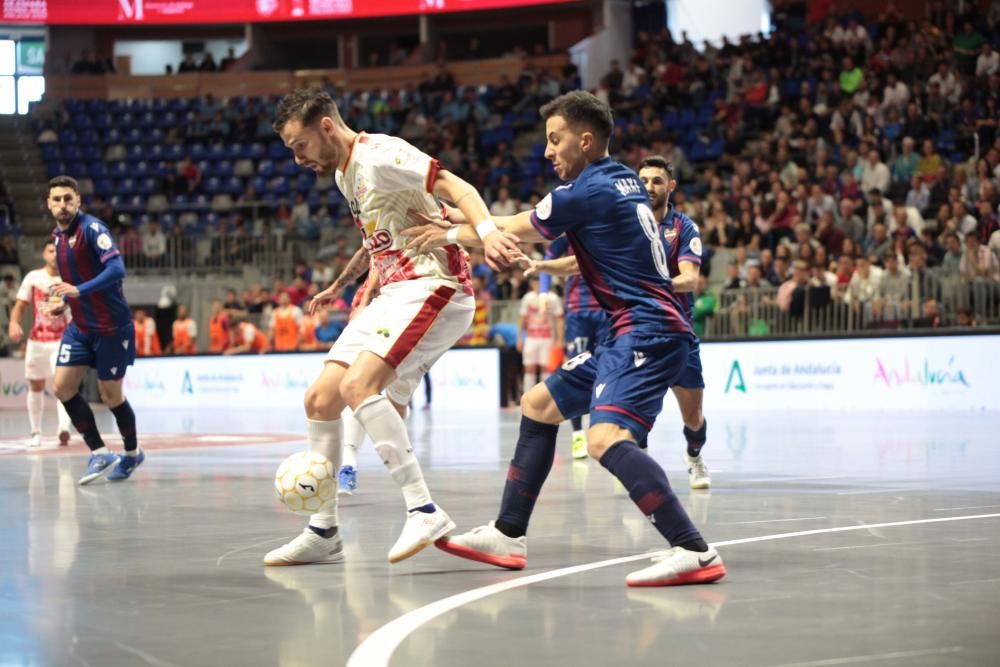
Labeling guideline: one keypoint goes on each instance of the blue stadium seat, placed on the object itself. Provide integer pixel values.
(277, 151)
(50, 152)
(148, 186)
(234, 186)
(197, 151)
(141, 168)
(77, 169)
(98, 169)
(258, 184)
(127, 187)
(174, 152)
(72, 153)
(290, 169)
(213, 185)
(104, 187)
(267, 169)
(136, 153)
(67, 136)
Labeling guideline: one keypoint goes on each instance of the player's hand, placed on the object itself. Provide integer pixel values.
(58, 311)
(501, 250)
(15, 331)
(65, 290)
(329, 294)
(421, 219)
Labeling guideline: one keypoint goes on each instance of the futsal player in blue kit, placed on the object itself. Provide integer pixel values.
(682, 240)
(605, 212)
(584, 321)
(101, 335)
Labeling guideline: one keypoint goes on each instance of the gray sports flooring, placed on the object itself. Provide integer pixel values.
(165, 569)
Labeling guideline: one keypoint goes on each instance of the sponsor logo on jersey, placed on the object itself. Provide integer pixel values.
(629, 186)
(379, 241)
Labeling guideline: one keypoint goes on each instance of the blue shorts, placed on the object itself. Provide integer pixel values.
(623, 383)
(691, 377)
(110, 355)
(584, 330)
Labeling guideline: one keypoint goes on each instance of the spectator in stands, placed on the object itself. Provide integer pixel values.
(965, 319)
(147, 342)
(864, 283)
(930, 316)
(952, 259)
(327, 329)
(978, 262)
(733, 280)
(875, 174)
(229, 62)
(190, 175)
(188, 64)
(798, 281)
(208, 63)
(931, 162)
(185, 330)
(8, 252)
(219, 323)
(154, 245)
(818, 203)
(850, 222)
(919, 195)
(704, 306)
(503, 204)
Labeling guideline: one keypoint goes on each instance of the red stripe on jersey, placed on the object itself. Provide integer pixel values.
(419, 325)
(432, 174)
(458, 266)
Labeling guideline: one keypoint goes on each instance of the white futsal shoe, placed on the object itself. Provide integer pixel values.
(420, 531)
(697, 472)
(679, 566)
(35, 440)
(308, 548)
(486, 544)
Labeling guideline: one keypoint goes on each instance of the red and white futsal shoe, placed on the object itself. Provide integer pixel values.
(679, 566)
(486, 544)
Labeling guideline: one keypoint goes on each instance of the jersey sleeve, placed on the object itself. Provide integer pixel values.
(690, 243)
(559, 211)
(101, 242)
(397, 166)
(24, 291)
(525, 304)
(557, 248)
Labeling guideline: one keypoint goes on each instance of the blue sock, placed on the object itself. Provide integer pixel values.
(696, 439)
(533, 456)
(577, 423)
(649, 489)
(126, 425)
(83, 421)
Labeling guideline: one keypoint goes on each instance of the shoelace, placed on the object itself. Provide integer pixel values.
(699, 468)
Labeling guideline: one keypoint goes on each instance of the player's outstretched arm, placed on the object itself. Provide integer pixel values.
(357, 266)
(564, 266)
(687, 279)
(501, 249)
(429, 234)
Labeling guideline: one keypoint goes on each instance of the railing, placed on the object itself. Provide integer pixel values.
(822, 310)
(270, 255)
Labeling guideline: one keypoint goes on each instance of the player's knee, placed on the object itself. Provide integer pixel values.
(320, 405)
(355, 388)
(64, 392)
(111, 396)
(601, 437)
(537, 404)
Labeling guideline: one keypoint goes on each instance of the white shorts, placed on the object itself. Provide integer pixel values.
(537, 352)
(40, 360)
(409, 325)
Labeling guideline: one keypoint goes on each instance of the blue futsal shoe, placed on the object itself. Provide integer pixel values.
(98, 465)
(126, 464)
(348, 480)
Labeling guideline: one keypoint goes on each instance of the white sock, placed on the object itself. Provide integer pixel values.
(388, 432)
(325, 438)
(101, 450)
(64, 420)
(529, 382)
(134, 452)
(354, 436)
(36, 408)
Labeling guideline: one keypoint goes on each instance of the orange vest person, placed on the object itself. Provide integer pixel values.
(247, 338)
(308, 340)
(218, 328)
(285, 322)
(147, 343)
(185, 333)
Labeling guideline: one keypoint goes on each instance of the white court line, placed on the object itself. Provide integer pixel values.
(377, 649)
(864, 546)
(853, 660)
(970, 507)
(218, 562)
(747, 523)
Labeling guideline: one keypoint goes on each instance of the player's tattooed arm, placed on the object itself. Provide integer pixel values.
(354, 269)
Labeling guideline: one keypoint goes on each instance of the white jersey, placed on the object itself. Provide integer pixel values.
(35, 288)
(538, 311)
(384, 177)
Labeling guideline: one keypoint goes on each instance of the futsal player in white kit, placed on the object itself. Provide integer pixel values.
(51, 316)
(425, 304)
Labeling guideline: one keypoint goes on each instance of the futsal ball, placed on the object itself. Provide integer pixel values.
(305, 483)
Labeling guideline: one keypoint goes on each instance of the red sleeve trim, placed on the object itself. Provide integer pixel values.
(432, 174)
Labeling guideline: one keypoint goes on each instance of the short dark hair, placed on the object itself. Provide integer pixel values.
(306, 105)
(64, 182)
(579, 107)
(658, 162)
(48, 242)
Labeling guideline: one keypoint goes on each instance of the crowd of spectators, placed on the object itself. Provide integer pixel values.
(845, 149)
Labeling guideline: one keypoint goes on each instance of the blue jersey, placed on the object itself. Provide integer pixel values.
(578, 296)
(683, 242)
(82, 251)
(606, 216)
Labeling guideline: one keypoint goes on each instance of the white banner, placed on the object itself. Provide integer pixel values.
(935, 373)
(468, 376)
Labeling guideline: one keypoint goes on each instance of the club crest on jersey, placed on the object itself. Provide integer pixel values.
(628, 186)
(72, 241)
(670, 235)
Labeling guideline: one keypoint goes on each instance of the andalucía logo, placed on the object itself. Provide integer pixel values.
(736, 373)
(924, 374)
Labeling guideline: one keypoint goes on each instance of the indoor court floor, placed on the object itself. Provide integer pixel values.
(849, 539)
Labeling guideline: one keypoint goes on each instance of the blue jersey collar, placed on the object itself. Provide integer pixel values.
(73, 224)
